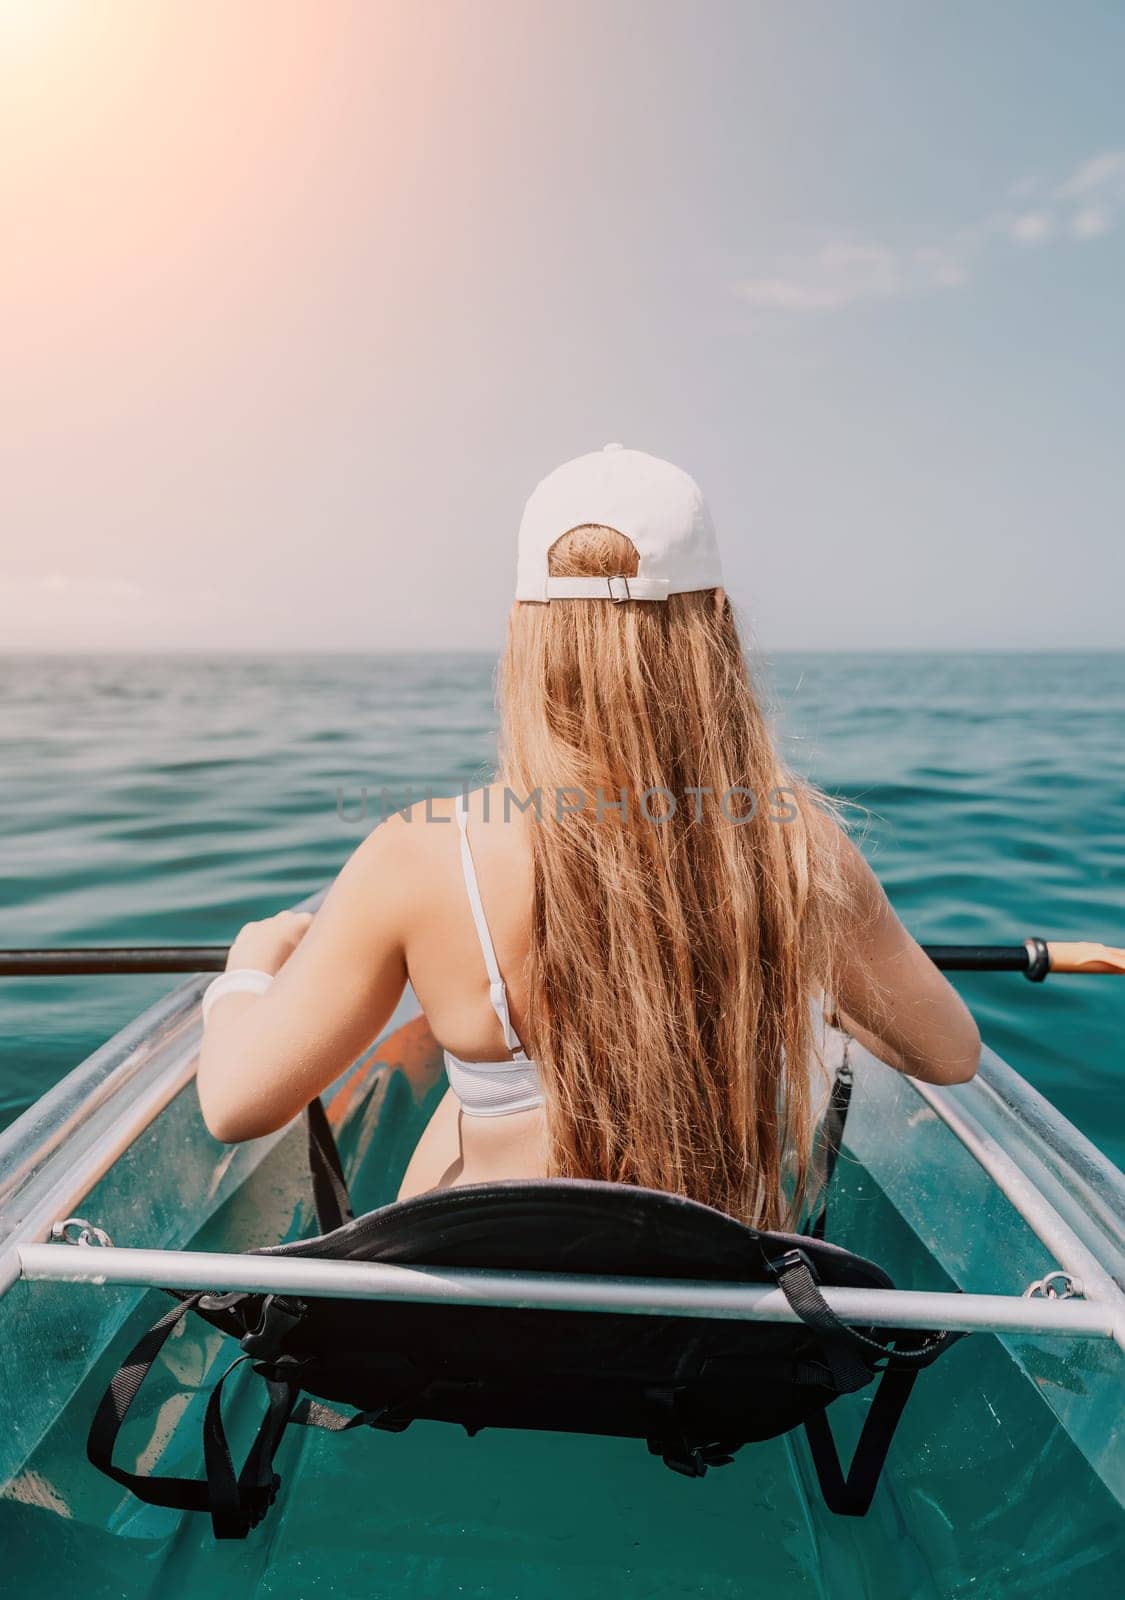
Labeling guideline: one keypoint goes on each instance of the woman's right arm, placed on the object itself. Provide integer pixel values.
(890, 995)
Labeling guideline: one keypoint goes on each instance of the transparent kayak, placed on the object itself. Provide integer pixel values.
(1006, 1477)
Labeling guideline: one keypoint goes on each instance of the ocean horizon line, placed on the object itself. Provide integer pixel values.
(403, 652)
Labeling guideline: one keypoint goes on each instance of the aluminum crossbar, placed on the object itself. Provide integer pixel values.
(472, 1286)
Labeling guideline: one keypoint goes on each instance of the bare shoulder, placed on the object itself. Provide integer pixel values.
(423, 834)
(412, 853)
(498, 807)
(370, 871)
(827, 834)
(494, 807)
(854, 873)
(405, 844)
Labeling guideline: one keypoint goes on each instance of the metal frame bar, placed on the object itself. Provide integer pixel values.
(1052, 1231)
(369, 1280)
(1102, 1315)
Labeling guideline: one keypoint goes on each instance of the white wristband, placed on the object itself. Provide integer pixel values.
(239, 980)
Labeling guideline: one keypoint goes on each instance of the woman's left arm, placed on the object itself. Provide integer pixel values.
(338, 977)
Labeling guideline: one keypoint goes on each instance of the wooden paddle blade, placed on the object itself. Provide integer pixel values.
(1086, 957)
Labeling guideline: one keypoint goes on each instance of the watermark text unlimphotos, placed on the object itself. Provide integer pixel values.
(657, 805)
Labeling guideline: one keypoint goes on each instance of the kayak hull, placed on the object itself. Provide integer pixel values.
(1007, 1476)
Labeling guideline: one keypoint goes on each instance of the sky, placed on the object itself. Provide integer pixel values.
(299, 300)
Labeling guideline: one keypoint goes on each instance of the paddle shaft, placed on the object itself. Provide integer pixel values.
(1035, 959)
(86, 960)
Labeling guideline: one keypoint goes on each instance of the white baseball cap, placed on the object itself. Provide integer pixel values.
(654, 504)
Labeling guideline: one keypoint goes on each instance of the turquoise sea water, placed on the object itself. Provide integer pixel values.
(169, 799)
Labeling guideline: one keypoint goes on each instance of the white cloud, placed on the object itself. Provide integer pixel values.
(834, 276)
(1101, 172)
(1091, 222)
(944, 272)
(1024, 188)
(844, 272)
(1092, 199)
(788, 294)
(1085, 205)
(1031, 227)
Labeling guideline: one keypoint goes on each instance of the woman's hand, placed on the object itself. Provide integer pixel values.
(266, 946)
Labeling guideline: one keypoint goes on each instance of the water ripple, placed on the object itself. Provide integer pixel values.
(170, 799)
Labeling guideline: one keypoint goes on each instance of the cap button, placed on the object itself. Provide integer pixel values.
(613, 447)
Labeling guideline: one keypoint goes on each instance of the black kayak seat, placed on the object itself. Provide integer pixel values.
(695, 1389)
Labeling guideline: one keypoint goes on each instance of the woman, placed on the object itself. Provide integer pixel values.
(624, 944)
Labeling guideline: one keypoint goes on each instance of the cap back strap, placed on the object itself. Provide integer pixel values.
(617, 589)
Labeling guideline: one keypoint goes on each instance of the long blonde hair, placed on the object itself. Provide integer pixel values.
(672, 964)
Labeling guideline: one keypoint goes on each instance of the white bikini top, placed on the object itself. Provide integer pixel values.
(490, 1088)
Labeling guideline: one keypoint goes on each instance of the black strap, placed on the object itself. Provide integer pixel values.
(851, 1496)
(394, 1416)
(310, 1413)
(330, 1190)
(314, 1414)
(849, 1363)
(831, 1138)
(236, 1504)
(674, 1440)
(851, 1358)
(851, 1354)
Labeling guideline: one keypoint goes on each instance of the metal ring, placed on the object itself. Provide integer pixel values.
(1044, 1288)
(1038, 959)
(76, 1230)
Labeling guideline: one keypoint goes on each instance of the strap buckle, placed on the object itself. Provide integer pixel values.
(690, 1461)
(780, 1265)
(615, 594)
(279, 1316)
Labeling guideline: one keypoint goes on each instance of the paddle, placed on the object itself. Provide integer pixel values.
(1035, 958)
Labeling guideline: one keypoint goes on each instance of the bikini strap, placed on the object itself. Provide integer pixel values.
(497, 991)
